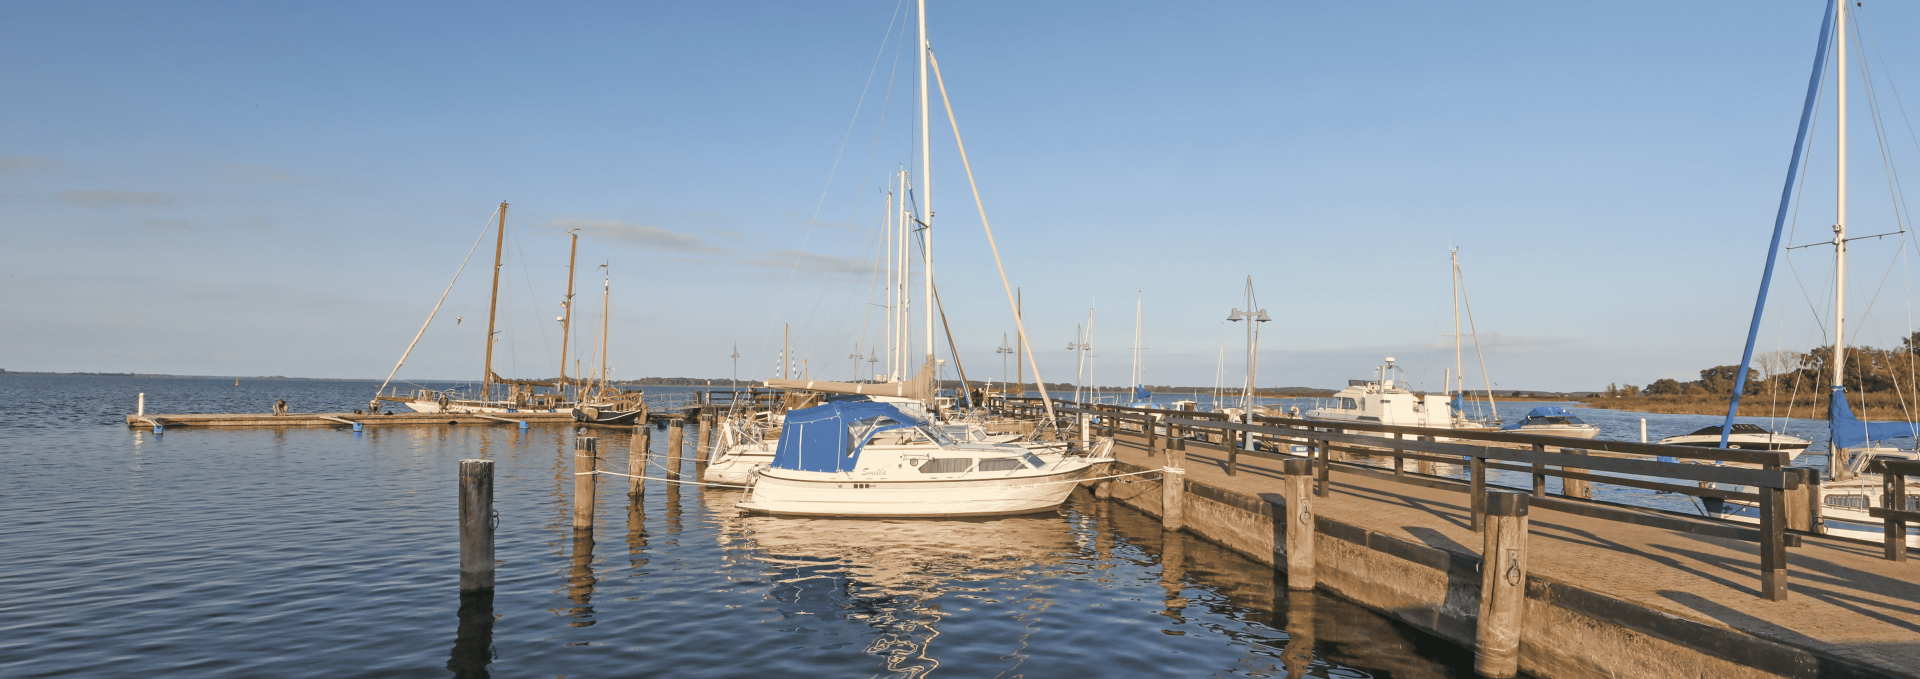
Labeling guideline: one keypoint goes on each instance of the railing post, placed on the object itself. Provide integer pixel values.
(1296, 518)
(1539, 473)
(1233, 451)
(1503, 585)
(1399, 462)
(637, 459)
(1800, 501)
(1173, 492)
(586, 461)
(1773, 542)
(1894, 499)
(1575, 488)
(1477, 493)
(1326, 469)
(476, 525)
(1425, 466)
(1147, 430)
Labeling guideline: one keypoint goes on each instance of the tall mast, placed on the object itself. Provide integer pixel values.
(1138, 296)
(566, 318)
(1836, 458)
(1020, 348)
(904, 226)
(606, 288)
(493, 304)
(926, 186)
(888, 254)
(1459, 372)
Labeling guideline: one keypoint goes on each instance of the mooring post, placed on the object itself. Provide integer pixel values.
(1173, 491)
(1325, 469)
(1477, 492)
(1148, 430)
(1773, 542)
(1798, 499)
(637, 459)
(705, 444)
(586, 462)
(1503, 585)
(1233, 450)
(141, 408)
(1572, 487)
(1893, 488)
(1297, 518)
(676, 441)
(1539, 473)
(1086, 430)
(476, 525)
(1399, 462)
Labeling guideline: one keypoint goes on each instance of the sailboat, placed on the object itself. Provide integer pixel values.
(1846, 494)
(606, 404)
(868, 452)
(1140, 398)
(522, 395)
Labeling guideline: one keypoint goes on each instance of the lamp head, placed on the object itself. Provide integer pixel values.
(1236, 315)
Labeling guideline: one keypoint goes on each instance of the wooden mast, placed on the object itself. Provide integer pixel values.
(493, 303)
(566, 319)
(606, 286)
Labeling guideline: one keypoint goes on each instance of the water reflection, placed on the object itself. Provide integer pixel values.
(580, 579)
(473, 640)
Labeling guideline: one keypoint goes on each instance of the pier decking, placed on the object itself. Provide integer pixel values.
(1605, 598)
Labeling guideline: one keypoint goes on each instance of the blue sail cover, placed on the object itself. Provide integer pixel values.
(1849, 431)
(1141, 394)
(1542, 411)
(1459, 404)
(828, 438)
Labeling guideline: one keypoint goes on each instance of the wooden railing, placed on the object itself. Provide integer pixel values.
(1787, 498)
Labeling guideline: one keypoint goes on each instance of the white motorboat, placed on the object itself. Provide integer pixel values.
(869, 459)
(1745, 437)
(1553, 421)
(1386, 401)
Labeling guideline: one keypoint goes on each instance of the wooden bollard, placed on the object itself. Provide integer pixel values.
(1575, 488)
(676, 441)
(1297, 516)
(1173, 491)
(586, 461)
(1803, 503)
(1503, 586)
(703, 444)
(637, 459)
(476, 525)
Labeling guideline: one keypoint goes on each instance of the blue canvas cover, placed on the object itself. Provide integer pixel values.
(1141, 394)
(1849, 431)
(828, 438)
(1542, 411)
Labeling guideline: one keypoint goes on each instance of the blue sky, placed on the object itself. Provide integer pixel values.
(286, 188)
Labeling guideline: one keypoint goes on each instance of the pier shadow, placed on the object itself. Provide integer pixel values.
(473, 639)
(1438, 540)
(1827, 582)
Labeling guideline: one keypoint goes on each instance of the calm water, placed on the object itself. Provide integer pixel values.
(315, 552)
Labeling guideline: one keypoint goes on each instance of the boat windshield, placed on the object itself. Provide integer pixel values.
(1546, 421)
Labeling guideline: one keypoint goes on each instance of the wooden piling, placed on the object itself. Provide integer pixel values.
(586, 461)
(1173, 491)
(1325, 470)
(703, 444)
(1503, 585)
(476, 526)
(1477, 493)
(676, 442)
(1773, 543)
(1297, 517)
(1539, 473)
(1893, 487)
(637, 459)
(1575, 488)
(1425, 466)
(1399, 461)
(1803, 511)
(1148, 430)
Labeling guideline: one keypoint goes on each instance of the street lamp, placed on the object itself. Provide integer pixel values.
(855, 357)
(736, 372)
(1083, 347)
(1254, 318)
(1003, 351)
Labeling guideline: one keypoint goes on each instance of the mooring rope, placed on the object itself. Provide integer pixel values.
(656, 478)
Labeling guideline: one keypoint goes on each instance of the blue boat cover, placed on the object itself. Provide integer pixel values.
(828, 438)
(1849, 431)
(1542, 411)
(1141, 394)
(1459, 404)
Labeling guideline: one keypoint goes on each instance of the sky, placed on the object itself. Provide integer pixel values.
(278, 188)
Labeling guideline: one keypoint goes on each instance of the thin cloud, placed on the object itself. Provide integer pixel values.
(810, 261)
(24, 164)
(115, 198)
(638, 234)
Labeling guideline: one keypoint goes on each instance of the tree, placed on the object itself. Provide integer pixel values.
(1719, 379)
(1666, 387)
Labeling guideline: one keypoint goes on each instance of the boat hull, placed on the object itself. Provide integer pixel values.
(789, 493)
(592, 415)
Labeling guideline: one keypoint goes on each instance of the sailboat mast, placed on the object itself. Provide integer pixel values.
(926, 186)
(566, 317)
(493, 303)
(606, 291)
(1020, 347)
(888, 254)
(1836, 457)
(1138, 296)
(1459, 369)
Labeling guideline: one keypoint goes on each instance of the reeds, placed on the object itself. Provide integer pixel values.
(1881, 405)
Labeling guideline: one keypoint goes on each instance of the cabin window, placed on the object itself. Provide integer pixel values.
(1035, 460)
(1001, 464)
(859, 430)
(1850, 501)
(1913, 503)
(1348, 404)
(946, 465)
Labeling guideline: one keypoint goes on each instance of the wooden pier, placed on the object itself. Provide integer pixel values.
(1603, 590)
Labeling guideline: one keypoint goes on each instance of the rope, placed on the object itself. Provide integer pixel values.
(436, 305)
(655, 478)
(1173, 470)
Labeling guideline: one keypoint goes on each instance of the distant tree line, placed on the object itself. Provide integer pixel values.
(1784, 373)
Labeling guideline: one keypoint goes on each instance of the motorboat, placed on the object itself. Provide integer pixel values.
(1385, 400)
(1743, 437)
(1553, 421)
(870, 459)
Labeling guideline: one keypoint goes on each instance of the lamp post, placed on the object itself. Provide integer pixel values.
(1253, 346)
(736, 371)
(873, 361)
(855, 357)
(1083, 347)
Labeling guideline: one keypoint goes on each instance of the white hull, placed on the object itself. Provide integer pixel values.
(1573, 432)
(431, 406)
(794, 493)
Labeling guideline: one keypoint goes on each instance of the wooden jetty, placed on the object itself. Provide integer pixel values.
(1574, 587)
(710, 403)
